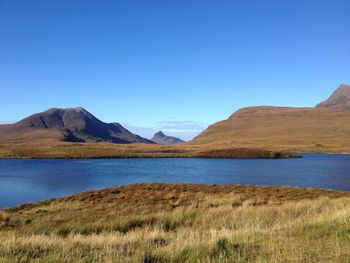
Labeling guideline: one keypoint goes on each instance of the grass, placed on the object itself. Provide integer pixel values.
(110, 150)
(181, 223)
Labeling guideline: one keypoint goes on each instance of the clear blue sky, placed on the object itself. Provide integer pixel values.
(175, 65)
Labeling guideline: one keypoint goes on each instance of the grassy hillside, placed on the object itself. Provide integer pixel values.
(282, 128)
(181, 223)
(110, 150)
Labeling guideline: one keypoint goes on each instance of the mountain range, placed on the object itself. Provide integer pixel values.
(325, 127)
(74, 125)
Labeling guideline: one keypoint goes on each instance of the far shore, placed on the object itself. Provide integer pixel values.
(109, 150)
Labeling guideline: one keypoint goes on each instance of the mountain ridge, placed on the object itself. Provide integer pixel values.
(324, 128)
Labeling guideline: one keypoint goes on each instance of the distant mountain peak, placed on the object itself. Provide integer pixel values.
(160, 134)
(160, 138)
(340, 99)
(77, 109)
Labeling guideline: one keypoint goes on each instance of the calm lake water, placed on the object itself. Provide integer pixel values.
(26, 180)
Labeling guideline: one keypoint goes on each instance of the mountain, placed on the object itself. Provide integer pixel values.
(161, 138)
(340, 99)
(322, 129)
(71, 124)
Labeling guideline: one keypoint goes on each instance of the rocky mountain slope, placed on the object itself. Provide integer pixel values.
(340, 99)
(161, 138)
(71, 124)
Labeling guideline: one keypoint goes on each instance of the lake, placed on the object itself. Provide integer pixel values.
(28, 180)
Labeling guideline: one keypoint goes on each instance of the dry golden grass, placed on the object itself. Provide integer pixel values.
(181, 223)
(110, 150)
(39, 136)
(282, 128)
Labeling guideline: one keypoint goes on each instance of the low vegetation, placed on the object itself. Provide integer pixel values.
(181, 223)
(110, 150)
(320, 130)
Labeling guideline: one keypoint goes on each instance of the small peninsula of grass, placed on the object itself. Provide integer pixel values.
(109, 150)
(181, 223)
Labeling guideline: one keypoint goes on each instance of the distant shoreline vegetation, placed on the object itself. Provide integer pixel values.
(109, 150)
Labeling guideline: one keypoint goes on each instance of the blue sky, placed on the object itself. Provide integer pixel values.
(172, 65)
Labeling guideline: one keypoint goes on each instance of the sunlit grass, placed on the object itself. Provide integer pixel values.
(181, 223)
(110, 150)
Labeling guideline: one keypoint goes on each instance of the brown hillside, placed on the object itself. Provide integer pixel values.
(296, 129)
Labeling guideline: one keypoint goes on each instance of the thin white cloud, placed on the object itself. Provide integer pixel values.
(7, 122)
(176, 122)
(182, 125)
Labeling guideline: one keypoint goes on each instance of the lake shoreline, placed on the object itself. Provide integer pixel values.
(109, 150)
(256, 191)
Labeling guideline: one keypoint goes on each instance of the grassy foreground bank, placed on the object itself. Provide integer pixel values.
(110, 150)
(181, 223)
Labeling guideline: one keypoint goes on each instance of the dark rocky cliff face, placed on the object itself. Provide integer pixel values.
(76, 125)
(161, 138)
(340, 99)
